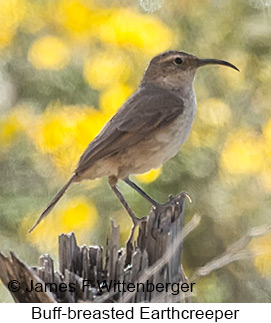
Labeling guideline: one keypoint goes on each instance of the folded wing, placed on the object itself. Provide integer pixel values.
(141, 115)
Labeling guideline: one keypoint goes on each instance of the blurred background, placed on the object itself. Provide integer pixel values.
(66, 66)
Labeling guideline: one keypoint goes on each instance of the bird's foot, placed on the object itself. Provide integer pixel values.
(158, 207)
(169, 206)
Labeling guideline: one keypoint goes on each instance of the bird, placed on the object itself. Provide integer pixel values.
(147, 130)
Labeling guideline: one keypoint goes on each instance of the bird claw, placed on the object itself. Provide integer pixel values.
(160, 208)
(185, 194)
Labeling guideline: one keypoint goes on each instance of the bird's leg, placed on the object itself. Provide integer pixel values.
(141, 192)
(159, 207)
(112, 180)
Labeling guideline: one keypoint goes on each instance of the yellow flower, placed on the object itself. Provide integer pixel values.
(265, 174)
(11, 13)
(214, 112)
(78, 215)
(112, 98)
(243, 153)
(9, 128)
(79, 17)
(106, 68)
(50, 53)
(56, 128)
(150, 176)
(65, 132)
(262, 261)
(6, 35)
(21, 120)
(144, 32)
(267, 144)
(88, 127)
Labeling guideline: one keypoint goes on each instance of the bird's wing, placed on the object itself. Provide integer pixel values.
(140, 116)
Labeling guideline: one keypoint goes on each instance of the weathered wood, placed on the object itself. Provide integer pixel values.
(13, 269)
(47, 263)
(112, 252)
(159, 237)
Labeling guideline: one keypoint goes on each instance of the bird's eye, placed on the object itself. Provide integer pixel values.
(178, 61)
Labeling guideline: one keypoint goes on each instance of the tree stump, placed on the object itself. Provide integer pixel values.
(90, 273)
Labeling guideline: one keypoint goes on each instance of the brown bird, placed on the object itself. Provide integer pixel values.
(147, 130)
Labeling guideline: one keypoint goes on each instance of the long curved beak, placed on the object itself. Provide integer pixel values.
(207, 61)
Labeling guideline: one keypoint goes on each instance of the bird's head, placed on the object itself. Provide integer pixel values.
(176, 70)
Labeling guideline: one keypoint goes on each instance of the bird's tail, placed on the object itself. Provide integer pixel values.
(53, 203)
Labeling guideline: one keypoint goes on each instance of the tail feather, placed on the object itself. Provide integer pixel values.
(53, 203)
